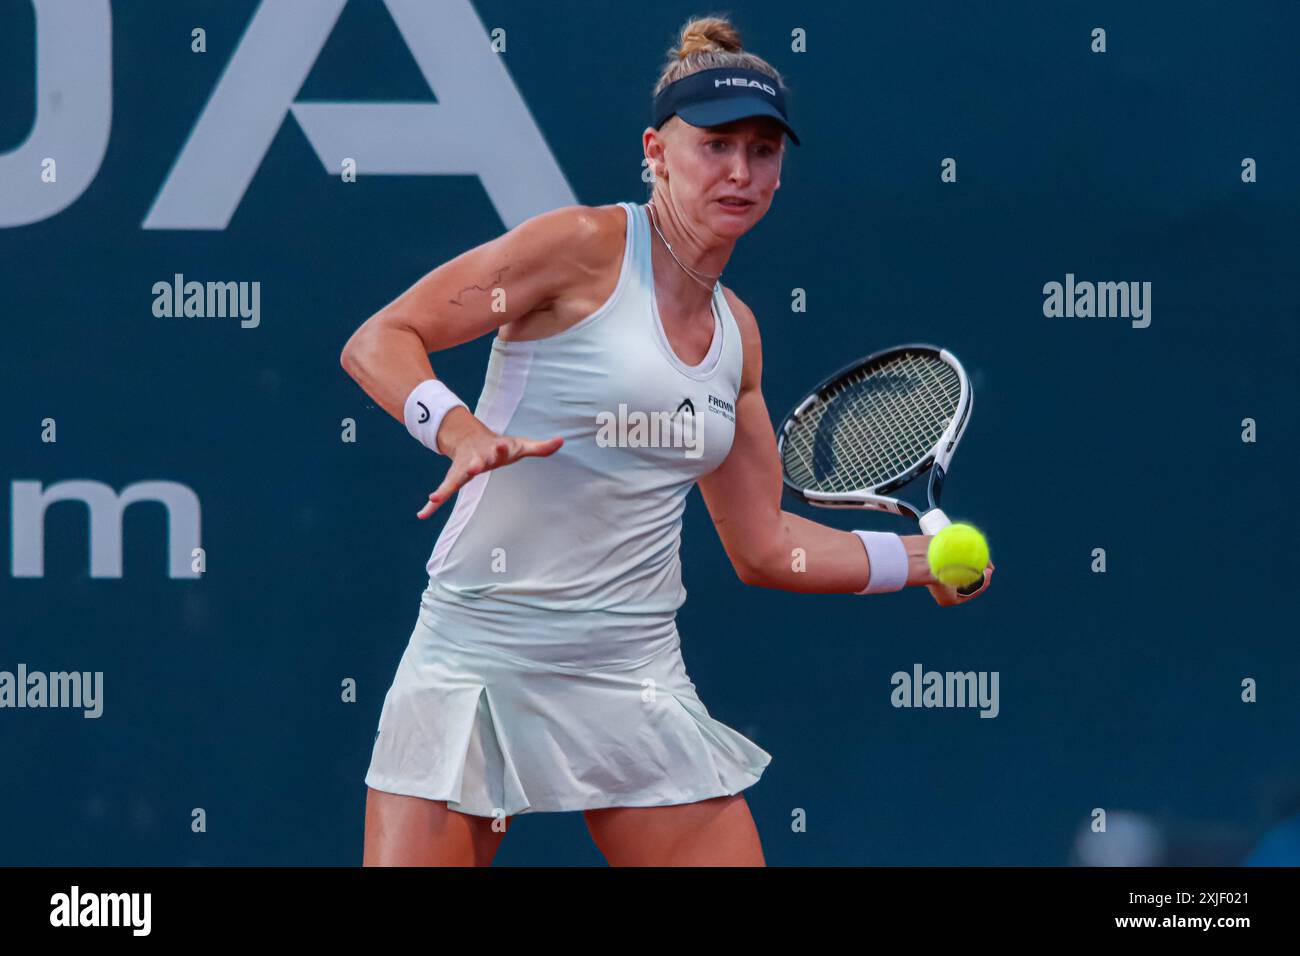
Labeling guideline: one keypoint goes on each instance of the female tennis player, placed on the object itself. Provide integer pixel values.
(544, 672)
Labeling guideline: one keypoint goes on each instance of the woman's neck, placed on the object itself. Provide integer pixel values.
(684, 267)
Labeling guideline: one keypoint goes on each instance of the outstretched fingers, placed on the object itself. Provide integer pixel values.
(539, 448)
(502, 451)
(456, 478)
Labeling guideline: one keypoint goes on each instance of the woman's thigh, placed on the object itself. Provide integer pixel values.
(717, 832)
(413, 831)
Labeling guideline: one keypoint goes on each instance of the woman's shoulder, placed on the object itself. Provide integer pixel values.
(744, 317)
(585, 232)
(751, 342)
(579, 248)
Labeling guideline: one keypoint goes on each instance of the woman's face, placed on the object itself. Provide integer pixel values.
(723, 177)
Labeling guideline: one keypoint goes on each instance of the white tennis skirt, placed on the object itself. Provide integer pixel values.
(501, 710)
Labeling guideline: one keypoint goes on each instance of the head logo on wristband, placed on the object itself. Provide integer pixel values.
(433, 401)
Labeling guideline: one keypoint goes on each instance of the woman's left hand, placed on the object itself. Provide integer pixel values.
(945, 596)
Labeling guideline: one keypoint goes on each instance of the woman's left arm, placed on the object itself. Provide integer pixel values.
(772, 548)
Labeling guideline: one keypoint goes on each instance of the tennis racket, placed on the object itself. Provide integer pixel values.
(875, 426)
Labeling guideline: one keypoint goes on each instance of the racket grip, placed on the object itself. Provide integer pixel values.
(933, 521)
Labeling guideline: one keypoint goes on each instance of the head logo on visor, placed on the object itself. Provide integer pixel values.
(723, 95)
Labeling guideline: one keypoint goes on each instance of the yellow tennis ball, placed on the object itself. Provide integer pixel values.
(958, 555)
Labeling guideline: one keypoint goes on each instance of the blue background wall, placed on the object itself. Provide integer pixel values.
(1118, 690)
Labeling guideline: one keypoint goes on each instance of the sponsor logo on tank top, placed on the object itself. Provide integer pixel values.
(723, 408)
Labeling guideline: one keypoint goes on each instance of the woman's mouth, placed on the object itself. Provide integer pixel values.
(735, 203)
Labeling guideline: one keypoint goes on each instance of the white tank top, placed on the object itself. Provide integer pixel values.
(597, 525)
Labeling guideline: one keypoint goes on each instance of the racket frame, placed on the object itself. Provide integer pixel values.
(936, 461)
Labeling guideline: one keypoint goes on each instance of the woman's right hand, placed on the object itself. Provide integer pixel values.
(482, 450)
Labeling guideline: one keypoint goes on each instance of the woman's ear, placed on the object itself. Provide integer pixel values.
(654, 150)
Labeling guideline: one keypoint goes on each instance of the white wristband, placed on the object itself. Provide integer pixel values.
(425, 408)
(887, 556)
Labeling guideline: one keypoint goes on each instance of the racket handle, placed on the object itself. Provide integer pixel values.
(933, 521)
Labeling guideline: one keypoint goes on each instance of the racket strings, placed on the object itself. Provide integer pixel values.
(898, 412)
(874, 425)
(862, 454)
(873, 449)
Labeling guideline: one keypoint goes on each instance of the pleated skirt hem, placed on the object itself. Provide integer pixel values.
(492, 738)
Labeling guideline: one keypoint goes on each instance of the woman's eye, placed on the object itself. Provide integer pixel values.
(717, 145)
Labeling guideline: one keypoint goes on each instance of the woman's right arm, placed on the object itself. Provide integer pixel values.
(487, 287)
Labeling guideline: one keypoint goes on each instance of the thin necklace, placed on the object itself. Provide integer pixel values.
(693, 273)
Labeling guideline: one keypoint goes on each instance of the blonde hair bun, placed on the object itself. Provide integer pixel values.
(708, 35)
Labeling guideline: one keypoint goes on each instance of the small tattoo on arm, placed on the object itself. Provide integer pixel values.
(496, 280)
